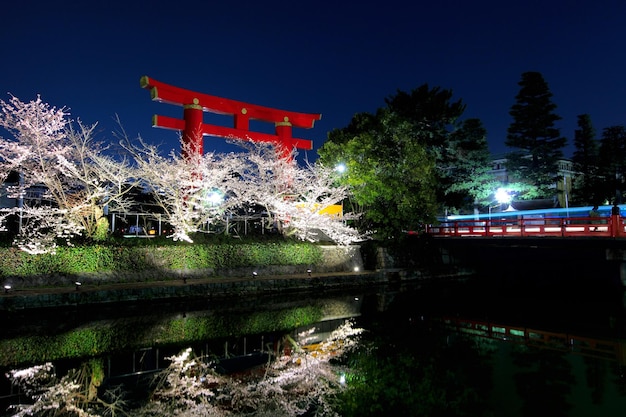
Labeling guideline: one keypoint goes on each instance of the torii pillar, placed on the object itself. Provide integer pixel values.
(193, 129)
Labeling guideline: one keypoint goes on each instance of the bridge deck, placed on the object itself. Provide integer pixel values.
(611, 227)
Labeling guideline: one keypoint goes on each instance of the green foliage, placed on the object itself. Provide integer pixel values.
(388, 170)
(536, 142)
(410, 160)
(102, 230)
(103, 258)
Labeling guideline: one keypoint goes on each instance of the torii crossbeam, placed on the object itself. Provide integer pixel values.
(193, 129)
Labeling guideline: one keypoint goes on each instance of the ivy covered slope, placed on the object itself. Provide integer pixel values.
(155, 259)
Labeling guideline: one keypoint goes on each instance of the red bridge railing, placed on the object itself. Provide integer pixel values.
(612, 226)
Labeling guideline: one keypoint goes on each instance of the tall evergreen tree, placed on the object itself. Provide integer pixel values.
(536, 141)
(585, 158)
(613, 164)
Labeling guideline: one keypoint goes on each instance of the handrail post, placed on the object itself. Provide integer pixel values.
(616, 222)
(616, 225)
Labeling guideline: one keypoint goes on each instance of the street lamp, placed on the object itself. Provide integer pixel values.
(503, 196)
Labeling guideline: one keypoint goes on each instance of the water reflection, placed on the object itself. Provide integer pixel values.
(473, 350)
(449, 349)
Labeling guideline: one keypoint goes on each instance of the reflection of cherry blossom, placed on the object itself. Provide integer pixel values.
(299, 380)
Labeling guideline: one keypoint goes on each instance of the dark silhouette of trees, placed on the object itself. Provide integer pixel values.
(612, 158)
(585, 159)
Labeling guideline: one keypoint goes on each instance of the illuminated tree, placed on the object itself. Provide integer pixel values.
(76, 180)
(411, 160)
(537, 143)
(388, 171)
(294, 197)
(189, 190)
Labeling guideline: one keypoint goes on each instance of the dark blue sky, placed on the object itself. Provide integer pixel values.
(337, 58)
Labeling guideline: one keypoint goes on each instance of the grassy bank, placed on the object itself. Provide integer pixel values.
(144, 257)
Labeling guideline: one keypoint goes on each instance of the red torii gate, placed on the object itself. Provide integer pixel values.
(194, 129)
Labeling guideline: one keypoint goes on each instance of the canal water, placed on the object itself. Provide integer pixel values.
(449, 348)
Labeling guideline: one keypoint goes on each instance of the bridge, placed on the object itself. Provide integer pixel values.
(553, 245)
(611, 227)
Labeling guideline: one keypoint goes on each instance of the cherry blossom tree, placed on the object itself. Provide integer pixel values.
(185, 185)
(78, 180)
(189, 189)
(295, 197)
(74, 177)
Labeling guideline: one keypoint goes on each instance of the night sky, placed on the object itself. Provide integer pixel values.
(337, 58)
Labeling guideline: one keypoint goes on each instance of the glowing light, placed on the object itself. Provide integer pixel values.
(356, 269)
(215, 198)
(503, 196)
(342, 379)
(340, 168)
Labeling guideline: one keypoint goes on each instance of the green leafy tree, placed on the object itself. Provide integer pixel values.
(536, 141)
(410, 160)
(613, 164)
(388, 170)
(585, 158)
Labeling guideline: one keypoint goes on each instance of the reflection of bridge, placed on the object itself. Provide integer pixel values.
(565, 342)
(612, 226)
